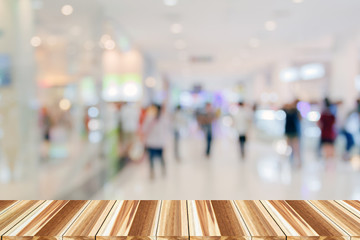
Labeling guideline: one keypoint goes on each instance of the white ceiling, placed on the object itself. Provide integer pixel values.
(221, 29)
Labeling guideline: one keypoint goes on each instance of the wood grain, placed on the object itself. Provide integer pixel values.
(292, 224)
(56, 227)
(5, 205)
(131, 219)
(89, 221)
(324, 227)
(215, 220)
(259, 222)
(340, 216)
(173, 221)
(34, 221)
(179, 220)
(352, 206)
(14, 215)
(48, 221)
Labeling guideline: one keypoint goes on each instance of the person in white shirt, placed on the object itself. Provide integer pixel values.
(242, 122)
(155, 135)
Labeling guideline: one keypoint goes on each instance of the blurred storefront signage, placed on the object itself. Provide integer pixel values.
(122, 88)
(312, 71)
(305, 72)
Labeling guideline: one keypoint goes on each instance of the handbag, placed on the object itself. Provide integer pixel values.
(137, 150)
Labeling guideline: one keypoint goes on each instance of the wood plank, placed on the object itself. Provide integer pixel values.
(215, 220)
(324, 227)
(15, 214)
(340, 216)
(352, 206)
(131, 219)
(49, 221)
(259, 222)
(30, 225)
(292, 224)
(89, 221)
(179, 220)
(6, 204)
(58, 224)
(173, 221)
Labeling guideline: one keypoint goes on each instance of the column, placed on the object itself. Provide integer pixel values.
(19, 142)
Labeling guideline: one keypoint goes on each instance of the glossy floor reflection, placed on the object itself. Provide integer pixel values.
(264, 175)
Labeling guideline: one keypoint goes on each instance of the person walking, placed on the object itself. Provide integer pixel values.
(328, 134)
(292, 130)
(154, 134)
(178, 123)
(206, 118)
(242, 122)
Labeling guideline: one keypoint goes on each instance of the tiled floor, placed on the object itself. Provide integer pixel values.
(264, 175)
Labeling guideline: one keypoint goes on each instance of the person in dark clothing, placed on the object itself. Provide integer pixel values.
(292, 130)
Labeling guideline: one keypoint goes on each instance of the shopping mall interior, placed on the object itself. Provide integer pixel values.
(179, 99)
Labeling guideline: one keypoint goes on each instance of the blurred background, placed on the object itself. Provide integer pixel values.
(179, 99)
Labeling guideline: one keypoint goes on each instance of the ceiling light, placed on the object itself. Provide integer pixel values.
(35, 41)
(270, 25)
(65, 104)
(105, 38)
(180, 44)
(131, 89)
(67, 10)
(109, 44)
(254, 42)
(298, 1)
(176, 28)
(170, 2)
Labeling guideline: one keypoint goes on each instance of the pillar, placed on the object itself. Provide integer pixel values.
(19, 141)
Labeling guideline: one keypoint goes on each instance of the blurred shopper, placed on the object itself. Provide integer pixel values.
(327, 126)
(86, 119)
(154, 134)
(350, 130)
(242, 122)
(178, 123)
(347, 131)
(128, 117)
(45, 125)
(205, 119)
(292, 130)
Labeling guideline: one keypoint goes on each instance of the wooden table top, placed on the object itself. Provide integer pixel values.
(179, 220)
